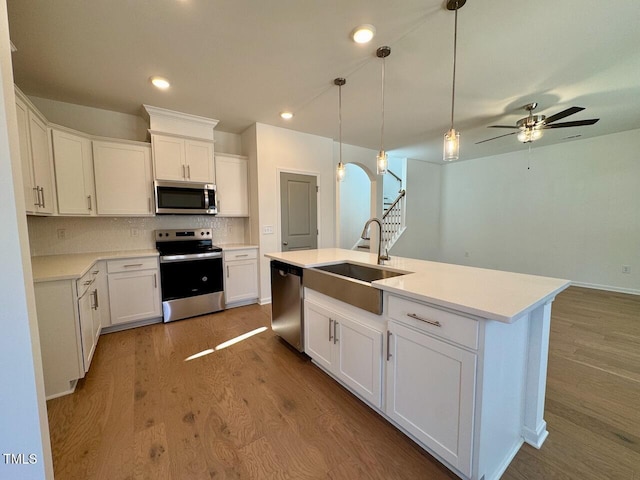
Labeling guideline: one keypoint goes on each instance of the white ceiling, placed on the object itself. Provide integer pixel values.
(244, 61)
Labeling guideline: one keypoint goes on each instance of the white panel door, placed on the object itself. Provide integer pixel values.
(168, 158)
(241, 281)
(134, 296)
(430, 392)
(199, 161)
(318, 333)
(123, 179)
(42, 165)
(73, 162)
(359, 359)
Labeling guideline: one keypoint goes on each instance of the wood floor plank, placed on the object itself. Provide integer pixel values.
(260, 410)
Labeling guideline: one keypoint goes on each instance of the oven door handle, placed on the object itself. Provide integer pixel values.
(189, 257)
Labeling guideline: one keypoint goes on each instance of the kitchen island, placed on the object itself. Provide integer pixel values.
(457, 360)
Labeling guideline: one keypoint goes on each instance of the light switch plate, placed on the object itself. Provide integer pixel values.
(267, 230)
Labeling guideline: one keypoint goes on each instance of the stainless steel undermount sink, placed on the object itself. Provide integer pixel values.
(349, 283)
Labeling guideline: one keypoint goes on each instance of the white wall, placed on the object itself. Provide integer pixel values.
(355, 204)
(102, 234)
(279, 149)
(421, 239)
(24, 427)
(574, 214)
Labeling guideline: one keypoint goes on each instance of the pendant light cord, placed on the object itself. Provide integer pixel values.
(382, 126)
(455, 49)
(340, 118)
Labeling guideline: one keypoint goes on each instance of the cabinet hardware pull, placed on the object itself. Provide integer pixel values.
(37, 192)
(133, 265)
(227, 271)
(155, 280)
(95, 299)
(335, 332)
(88, 282)
(389, 345)
(184, 172)
(189, 172)
(240, 256)
(435, 323)
(43, 202)
(330, 322)
(95, 272)
(89, 200)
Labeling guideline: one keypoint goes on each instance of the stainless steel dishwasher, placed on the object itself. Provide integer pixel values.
(286, 303)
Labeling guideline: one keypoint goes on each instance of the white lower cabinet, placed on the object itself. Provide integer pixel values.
(430, 392)
(134, 289)
(348, 349)
(241, 277)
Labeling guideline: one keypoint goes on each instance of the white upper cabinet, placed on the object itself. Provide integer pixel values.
(73, 162)
(232, 186)
(123, 178)
(182, 159)
(37, 169)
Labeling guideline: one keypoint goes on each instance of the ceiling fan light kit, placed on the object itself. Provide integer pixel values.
(451, 149)
(382, 162)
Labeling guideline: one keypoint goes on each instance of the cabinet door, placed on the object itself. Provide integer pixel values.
(28, 182)
(430, 392)
(168, 158)
(42, 165)
(231, 186)
(103, 294)
(241, 281)
(73, 162)
(86, 328)
(123, 179)
(359, 359)
(318, 334)
(199, 161)
(134, 296)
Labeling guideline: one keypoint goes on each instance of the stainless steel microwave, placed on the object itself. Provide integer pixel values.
(185, 198)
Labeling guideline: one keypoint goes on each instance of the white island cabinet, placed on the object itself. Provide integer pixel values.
(464, 357)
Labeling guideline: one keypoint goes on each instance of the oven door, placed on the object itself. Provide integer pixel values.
(189, 277)
(185, 198)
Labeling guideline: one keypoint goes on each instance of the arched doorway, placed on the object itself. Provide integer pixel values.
(356, 206)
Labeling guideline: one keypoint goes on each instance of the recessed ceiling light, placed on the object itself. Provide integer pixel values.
(286, 115)
(363, 33)
(161, 83)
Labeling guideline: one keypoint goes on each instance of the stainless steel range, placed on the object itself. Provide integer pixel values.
(191, 273)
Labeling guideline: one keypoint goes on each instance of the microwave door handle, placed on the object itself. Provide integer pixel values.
(206, 199)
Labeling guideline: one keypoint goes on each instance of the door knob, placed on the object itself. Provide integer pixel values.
(285, 243)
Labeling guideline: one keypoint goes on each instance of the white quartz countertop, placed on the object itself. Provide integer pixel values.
(492, 294)
(236, 246)
(49, 268)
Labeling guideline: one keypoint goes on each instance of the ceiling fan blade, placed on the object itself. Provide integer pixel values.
(577, 123)
(500, 136)
(502, 126)
(563, 114)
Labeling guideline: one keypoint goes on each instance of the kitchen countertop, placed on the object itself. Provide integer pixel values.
(491, 294)
(48, 268)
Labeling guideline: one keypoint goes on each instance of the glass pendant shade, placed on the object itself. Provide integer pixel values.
(382, 162)
(529, 135)
(340, 172)
(451, 146)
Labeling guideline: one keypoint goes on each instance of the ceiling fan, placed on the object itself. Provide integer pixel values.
(531, 128)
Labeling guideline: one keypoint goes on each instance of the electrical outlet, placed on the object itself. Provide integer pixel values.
(62, 233)
(135, 232)
(267, 230)
(626, 269)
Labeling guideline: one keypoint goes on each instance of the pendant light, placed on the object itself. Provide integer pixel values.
(452, 138)
(381, 160)
(340, 172)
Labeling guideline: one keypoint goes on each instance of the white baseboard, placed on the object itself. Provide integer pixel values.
(265, 301)
(609, 288)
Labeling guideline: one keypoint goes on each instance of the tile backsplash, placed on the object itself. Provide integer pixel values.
(60, 235)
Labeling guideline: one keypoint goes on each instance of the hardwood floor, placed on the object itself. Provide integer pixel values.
(259, 410)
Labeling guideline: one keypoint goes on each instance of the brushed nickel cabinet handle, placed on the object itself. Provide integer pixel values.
(96, 293)
(227, 271)
(184, 172)
(435, 323)
(133, 265)
(240, 256)
(389, 345)
(330, 322)
(89, 200)
(37, 192)
(155, 280)
(335, 332)
(88, 282)
(43, 202)
(189, 172)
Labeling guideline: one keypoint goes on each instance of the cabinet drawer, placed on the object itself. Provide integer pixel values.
(454, 327)
(85, 282)
(132, 264)
(245, 254)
